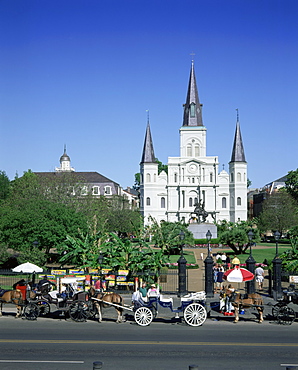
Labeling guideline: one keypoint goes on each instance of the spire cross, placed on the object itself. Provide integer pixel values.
(237, 110)
(147, 110)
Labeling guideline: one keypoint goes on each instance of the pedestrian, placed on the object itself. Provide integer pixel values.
(219, 278)
(259, 274)
(235, 261)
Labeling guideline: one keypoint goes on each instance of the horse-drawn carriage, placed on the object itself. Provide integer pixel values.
(281, 311)
(69, 300)
(192, 306)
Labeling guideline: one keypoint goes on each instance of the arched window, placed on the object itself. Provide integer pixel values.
(238, 201)
(211, 177)
(147, 201)
(175, 177)
(232, 177)
(190, 202)
(189, 150)
(195, 201)
(197, 150)
(224, 202)
(148, 177)
(238, 176)
(154, 176)
(162, 202)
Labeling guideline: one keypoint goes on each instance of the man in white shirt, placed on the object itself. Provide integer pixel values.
(259, 274)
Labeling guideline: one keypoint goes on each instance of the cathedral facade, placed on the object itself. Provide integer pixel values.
(193, 189)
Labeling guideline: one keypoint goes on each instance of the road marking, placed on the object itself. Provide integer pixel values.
(51, 362)
(130, 342)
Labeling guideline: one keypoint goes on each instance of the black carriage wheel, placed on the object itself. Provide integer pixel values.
(31, 311)
(286, 315)
(276, 308)
(79, 311)
(44, 308)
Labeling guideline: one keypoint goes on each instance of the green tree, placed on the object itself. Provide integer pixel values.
(290, 257)
(292, 184)
(166, 235)
(121, 253)
(279, 212)
(82, 250)
(161, 166)
(4, 185)
(25, 220)
(235, 235)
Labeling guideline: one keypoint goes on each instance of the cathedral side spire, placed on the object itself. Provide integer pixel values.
(148, 151)
(238, 148)
(192, 107)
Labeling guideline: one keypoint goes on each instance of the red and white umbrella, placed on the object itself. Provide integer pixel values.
(238, 275)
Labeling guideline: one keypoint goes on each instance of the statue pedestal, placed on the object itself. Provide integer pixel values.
(199, 231)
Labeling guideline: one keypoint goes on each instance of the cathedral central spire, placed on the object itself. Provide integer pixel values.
(192, 107)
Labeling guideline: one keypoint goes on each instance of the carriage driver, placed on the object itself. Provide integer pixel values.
(44, 285)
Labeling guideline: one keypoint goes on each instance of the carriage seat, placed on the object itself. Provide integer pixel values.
(197, 296)
(165, 300)
(55, 296)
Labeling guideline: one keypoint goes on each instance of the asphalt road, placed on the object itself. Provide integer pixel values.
(63, 344)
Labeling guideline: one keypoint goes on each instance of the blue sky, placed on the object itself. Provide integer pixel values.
(84, 72)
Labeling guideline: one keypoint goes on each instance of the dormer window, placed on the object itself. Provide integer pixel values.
(108, 190)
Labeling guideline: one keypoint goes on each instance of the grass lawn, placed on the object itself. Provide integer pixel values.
(260, 254)
(189, 256)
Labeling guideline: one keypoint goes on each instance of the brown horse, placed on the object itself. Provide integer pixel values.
(234, 298)
(15, 297)
(109, 297)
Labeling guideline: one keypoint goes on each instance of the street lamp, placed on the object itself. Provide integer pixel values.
(250, 265)
(209, 289)
(182, 237)
(250, 235)
(208, 237)
(277, 292)
(181, 268)
(276, 237)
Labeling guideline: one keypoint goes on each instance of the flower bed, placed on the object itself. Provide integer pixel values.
(174, 265)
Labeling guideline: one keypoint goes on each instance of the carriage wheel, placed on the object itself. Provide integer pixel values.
(79, 311)
(286, 315)
(195, 314)
(44, 308)
(143, 316)
(31, 311)
(276, 308)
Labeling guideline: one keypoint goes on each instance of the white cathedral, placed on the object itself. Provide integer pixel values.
(193, 178)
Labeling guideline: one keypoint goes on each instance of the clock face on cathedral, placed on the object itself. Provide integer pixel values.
(192, 168)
